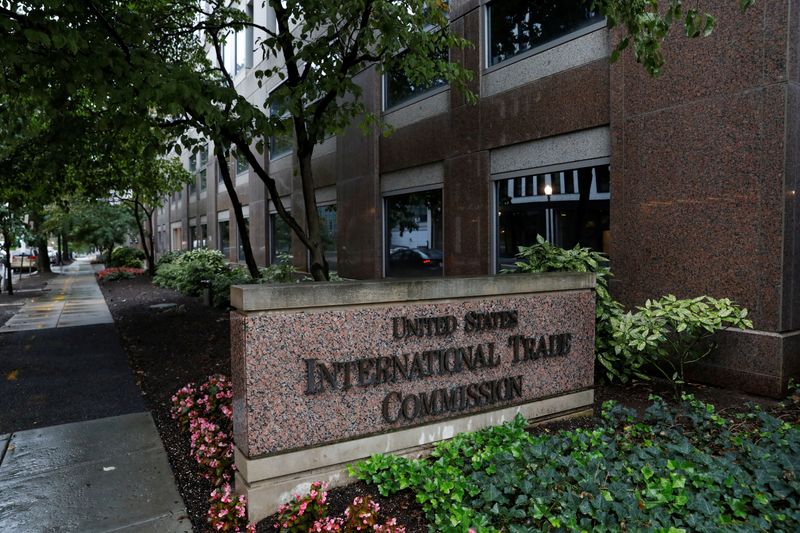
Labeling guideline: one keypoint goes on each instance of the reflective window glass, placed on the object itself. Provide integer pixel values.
(414, 234)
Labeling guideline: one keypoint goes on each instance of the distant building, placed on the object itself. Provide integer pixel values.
(688, 182)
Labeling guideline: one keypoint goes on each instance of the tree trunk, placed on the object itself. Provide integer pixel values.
(65, 244)
(9, 277)
(149, 253)
(151, 266)
(43, 254)
(60, 256)
(319, 265)
(244, 233)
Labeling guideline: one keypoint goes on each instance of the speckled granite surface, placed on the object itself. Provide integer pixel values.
(285, 366)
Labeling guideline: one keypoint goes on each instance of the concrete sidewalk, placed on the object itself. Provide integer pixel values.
(78, 450)
(73, 299)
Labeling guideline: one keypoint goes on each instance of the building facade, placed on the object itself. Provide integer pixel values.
(687, 182)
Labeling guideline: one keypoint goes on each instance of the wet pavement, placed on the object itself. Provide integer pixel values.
(72, 299)
(78, 450)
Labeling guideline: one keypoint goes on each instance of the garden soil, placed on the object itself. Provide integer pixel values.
(189, 341)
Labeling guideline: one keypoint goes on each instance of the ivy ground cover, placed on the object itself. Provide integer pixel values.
(679, 468)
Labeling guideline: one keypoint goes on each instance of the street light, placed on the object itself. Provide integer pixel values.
(548, 191)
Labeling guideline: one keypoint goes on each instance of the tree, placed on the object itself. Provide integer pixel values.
(102, 224)
(12, 227)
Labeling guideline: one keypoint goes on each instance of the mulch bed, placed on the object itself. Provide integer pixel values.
(189, 342)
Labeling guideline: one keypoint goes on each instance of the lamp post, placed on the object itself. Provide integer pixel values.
(548, 191)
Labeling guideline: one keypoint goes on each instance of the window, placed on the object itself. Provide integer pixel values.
(203, 162)
(228, 52)
(241, 164)
(576, 211)
(241, 45)
(283, 142)
(399, 88)
(203, 236)
(192, 236)
(224, 238)
(414, 234)
(327, 218)
(193, 172)
(241, 239)
(243, 53)
(516, 26)
(280, 237)
(177, 238)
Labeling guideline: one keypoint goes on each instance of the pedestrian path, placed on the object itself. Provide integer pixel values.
(109, 474)
(78, 450)
(73, 299)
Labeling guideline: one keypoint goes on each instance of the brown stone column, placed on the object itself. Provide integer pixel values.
(358, 223)
(701, 175)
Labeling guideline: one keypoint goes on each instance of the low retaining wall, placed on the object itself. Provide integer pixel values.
(328, 374)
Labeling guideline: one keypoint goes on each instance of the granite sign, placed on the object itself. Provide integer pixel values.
(328, 374)
(441, 361)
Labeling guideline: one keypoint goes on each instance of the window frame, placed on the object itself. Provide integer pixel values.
(385, 221)
(271, 139)
(486, 27)
(429, 93)
(495, 179)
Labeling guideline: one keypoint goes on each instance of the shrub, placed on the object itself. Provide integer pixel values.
(118, 273)
(186, 271)
(126, 256)
(546, 257)
(167, 276)
(169, 257)
(666, 334)
(669, 334)
(198, 265)
(283, 271)
(221, 284)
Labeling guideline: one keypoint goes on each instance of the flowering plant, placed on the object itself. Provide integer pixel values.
(299, 514)
(118, 273)
(309, 514)
(206, 413)
(228, 512)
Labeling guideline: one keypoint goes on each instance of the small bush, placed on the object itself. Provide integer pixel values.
(186, 271)
(666, 334)
(169, 257)
(283, 271)
(546, 257)
(669, 334)
(167, 276)
(221, 285)
(126, 256)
